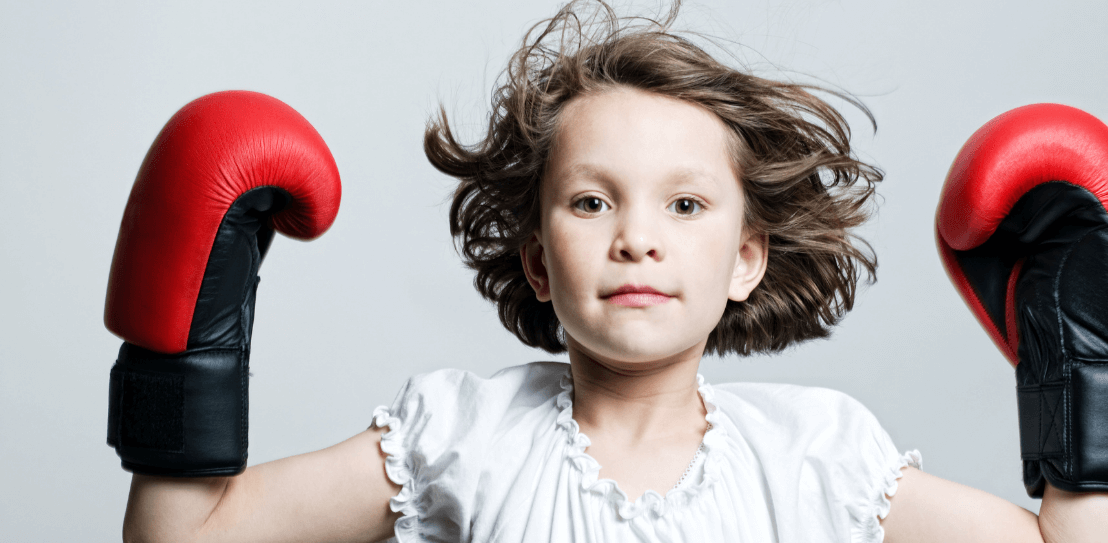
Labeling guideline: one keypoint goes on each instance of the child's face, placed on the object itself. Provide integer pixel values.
(640, 191)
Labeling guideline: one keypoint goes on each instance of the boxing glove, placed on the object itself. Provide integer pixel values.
(1022, 229)
(224, 173)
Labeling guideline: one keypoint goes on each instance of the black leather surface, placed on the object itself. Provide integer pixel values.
(187, 414)
(224, 312)
(1061, 302)
(182, 415)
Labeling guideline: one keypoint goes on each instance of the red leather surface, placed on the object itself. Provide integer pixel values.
(1011, 154)
(210, 152)
(1004, 159)
(953, 271)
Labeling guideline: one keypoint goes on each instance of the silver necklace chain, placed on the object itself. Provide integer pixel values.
(699, 450)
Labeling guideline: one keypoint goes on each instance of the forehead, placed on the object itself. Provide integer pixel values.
(641, 135)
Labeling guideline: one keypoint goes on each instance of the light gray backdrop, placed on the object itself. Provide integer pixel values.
(343, 321)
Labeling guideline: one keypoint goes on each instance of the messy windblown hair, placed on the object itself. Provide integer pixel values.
(804, 188)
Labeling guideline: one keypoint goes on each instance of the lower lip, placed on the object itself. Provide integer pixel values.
(638, 299)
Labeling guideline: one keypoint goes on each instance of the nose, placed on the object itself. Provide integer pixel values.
(637, 237)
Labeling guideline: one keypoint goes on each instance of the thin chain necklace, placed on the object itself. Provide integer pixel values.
(699, 450)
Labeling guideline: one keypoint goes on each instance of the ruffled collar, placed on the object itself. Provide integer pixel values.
(651, 500)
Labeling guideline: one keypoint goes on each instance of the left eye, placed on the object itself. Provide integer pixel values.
(685, 206)
(591, 204)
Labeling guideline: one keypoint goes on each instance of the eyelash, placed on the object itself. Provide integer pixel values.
(579, 204)
(696, 203)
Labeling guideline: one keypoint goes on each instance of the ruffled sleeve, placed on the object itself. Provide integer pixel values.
(860, 465)
(873, 505)
(869, 467)
(829, 466)
(445, 433)
(431, 425)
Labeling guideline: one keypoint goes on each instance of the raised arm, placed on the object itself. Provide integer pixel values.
(226, 172)
(928, 509)
(339, 494)
(1023, 232)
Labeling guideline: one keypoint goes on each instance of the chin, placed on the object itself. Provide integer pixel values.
(631, 349)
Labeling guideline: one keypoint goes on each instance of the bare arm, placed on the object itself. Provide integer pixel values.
(340, 493)
(1067, 517)
(933, 510)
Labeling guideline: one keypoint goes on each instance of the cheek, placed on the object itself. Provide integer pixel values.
(571, 257)
(712, 258)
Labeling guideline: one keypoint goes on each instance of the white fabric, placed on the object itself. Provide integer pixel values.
(502, 460)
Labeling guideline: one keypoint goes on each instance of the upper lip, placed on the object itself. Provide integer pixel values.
(634, 289)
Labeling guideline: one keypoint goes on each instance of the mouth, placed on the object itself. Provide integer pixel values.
(636, 296)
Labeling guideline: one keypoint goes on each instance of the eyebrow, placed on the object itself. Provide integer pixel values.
(683, 174)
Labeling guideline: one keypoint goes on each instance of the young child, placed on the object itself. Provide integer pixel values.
(636, 204)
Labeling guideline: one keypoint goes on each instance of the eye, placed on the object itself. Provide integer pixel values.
(591, 204)
(685, 206)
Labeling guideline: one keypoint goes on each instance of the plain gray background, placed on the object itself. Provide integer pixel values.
(344, 320)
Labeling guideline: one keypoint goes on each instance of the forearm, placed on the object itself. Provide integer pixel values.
(1068, 517)
(170, 509)
(928, 509)
(339, 494)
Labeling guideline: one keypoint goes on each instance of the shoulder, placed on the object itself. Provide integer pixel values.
(821, 451)
(796, 407)
(457, 407)
(815, 434)
(449, 429)
(534, 381)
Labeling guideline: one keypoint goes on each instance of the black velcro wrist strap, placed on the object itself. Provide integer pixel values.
(181, 415)
(1042, 421)
(1064, 431)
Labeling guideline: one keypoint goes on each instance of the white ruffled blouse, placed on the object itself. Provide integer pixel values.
(502, 460)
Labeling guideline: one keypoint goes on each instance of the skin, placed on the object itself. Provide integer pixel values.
(338, 494)
(634, 368)
(616, 205)
(640, 190)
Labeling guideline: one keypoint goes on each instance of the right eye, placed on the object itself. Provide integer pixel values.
(591, 204)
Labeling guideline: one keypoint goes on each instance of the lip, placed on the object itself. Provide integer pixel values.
(636, 296)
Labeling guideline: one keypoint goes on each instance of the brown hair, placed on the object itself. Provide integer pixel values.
(804, 188)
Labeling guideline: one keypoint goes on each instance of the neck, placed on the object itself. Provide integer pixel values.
(636, 402)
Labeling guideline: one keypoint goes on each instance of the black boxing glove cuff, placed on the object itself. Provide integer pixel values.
(1064, 433)
(181, 415)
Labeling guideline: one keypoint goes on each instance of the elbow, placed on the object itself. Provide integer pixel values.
(135, 531)
(172, 510)
(134, 534)
(144, 534)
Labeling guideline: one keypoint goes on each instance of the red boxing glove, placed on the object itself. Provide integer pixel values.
(1022, 228)
(226, 171)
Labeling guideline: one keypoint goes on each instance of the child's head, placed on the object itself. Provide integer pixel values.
(585, 157)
